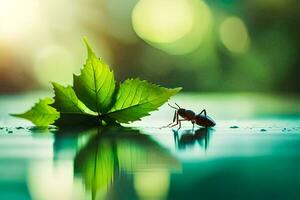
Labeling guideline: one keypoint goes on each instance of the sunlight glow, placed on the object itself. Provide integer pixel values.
(152, 184)
(234, 35)
(17, 17)
(48, 180)
(54, 63)
(175, 26)
(162, 20)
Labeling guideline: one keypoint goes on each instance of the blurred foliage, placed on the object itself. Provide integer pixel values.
(221, 45)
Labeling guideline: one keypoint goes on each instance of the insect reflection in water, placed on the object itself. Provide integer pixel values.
(190, 138)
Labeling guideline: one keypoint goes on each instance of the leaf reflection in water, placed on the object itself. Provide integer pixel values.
(111, 152)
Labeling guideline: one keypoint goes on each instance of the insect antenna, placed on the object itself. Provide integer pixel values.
(172, 106)
(177, 105)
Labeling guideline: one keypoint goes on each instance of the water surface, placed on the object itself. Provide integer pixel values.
(252, 153)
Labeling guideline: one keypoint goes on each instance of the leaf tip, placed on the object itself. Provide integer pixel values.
(15, 115)
(178, 89)
(88, 45)
(175, 90)
(54, 84)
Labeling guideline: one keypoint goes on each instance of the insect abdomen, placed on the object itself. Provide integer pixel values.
(206, 121)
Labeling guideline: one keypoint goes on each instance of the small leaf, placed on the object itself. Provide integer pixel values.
(136, 98)
(72, 110)
(95, 85)
(41, 114)
(66, 101)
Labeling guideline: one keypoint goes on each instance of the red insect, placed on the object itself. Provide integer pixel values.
(189, 115)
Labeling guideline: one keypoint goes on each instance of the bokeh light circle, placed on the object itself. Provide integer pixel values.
(162, 21)
(175, 26)
(54, 63)
(234, 35)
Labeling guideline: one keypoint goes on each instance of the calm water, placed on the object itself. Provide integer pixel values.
(252, 153)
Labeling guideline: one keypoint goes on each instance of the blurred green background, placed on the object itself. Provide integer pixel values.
(249, 47)
(211, 46)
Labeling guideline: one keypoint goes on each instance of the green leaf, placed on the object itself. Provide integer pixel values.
(95, 85)
(94, 99)
(41, 114)
(136, 98)
(72, 110)
(66, 101)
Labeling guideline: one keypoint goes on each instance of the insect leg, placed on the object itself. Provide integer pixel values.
(203, 111)
(175, 114)
(179, 122)
(179, 125)
(174, 118)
